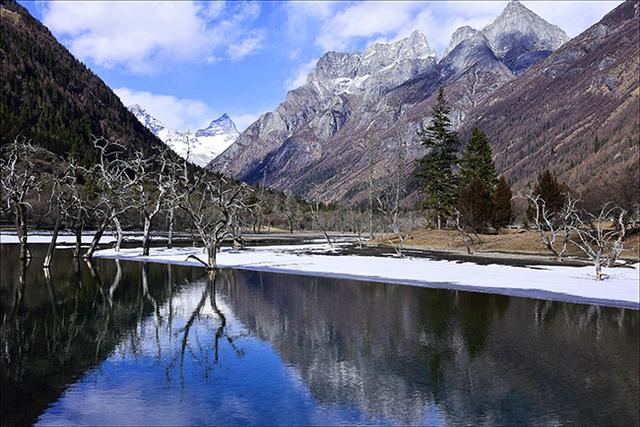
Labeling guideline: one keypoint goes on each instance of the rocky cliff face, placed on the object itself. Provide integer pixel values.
(575, 113)
(521, 38)
(312, 143)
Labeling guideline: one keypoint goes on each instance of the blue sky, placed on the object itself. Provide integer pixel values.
(189, 62)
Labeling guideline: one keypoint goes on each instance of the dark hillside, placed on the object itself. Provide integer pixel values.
(49, 96)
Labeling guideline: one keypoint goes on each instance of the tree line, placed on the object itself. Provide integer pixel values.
(126, 187)
(466, 192)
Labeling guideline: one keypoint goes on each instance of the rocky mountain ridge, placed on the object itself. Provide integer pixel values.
(312, 142)
(202, 146)
(575, 113)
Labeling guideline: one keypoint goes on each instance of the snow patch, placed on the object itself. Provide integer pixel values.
(571, 284)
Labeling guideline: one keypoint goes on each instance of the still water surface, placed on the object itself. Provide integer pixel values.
(130, 343)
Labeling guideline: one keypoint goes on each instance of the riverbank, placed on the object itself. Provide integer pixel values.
(513, 244)
(560, 283)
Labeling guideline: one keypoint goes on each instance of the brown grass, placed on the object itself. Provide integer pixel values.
(509, 241)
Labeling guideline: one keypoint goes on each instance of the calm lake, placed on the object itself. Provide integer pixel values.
(129, 343)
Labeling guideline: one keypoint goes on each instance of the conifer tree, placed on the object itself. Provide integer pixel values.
(553, 192)
(475, 205)
(437, 167)
(502, 202)
(477, 161)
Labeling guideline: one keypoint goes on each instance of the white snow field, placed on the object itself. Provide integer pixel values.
(571, 284)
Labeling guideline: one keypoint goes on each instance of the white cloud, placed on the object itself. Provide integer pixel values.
(365, 20)
(349, 27)
(141, 36)
(572, 16)
(247, 46)
(299, 76)
(300, 14)
(175, 113)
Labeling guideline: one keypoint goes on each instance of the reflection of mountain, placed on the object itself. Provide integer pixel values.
(414, 355)
(165, 345)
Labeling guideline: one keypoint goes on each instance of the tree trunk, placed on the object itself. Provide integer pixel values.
(146, 239)
(119, 233)
(79, 226)
(211, 253)
(52, 244)
(21, 231)
(598, 265)
(170, 236)
(96, 240)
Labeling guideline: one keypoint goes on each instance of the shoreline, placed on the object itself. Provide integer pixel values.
(559, 283)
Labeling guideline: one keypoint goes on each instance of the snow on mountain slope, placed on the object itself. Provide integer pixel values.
(202, 146)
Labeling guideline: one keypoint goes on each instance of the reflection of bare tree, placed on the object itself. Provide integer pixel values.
(116, 281)
(22, 283)
(147, 294)
(221, 332)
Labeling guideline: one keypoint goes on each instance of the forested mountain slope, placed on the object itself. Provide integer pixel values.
(49, 96)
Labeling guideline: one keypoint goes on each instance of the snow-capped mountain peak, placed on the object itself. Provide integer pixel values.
(150, 122)
(221, 125)
(202, 146)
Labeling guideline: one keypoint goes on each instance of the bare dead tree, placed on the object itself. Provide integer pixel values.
(368, 146)
(389, 202)
(173, 178)
(113, 179)
(554, 228)
(56, 207)
(214, 207)
(318, 220)
(19, 178)
(470, 238)
(152, 185)
(357, 225)
(290, 209)
(262, 202)
(600, 242)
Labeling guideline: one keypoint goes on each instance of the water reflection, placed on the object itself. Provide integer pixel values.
(152, 344)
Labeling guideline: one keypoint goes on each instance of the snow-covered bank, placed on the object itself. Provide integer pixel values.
(572, 284)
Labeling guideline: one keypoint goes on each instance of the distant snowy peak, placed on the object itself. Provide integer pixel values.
(150, 122)
(219, 126)
(202, 146)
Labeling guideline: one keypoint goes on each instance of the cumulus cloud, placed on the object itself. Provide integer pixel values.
(141, 36)
(175, 113)
(347, 27)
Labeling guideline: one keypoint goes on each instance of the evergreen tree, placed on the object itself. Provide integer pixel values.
(553, 192)
(502, 202)
(437, 167)
(477, 161)
(475, 205)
